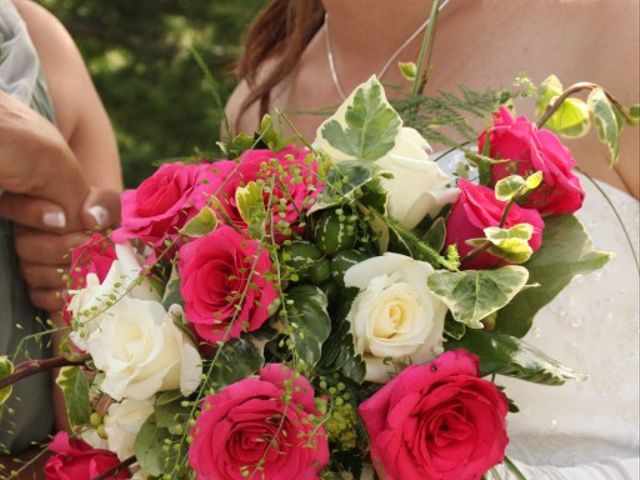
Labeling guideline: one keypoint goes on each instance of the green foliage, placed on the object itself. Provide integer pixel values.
(250, 204)
(6, 369)
(75, 387)
(510, 244)
(473, 295)
(571, 119)
(150, 447)
(309, 324)
(608, 125)
(235, 360)
(368, 128)
(334, 232)
(138, 54)
(567, 251)
(202, 224)
(172, 295)
(506, 355)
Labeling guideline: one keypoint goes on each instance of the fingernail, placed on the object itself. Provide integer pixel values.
(54, 219)
(100, 215)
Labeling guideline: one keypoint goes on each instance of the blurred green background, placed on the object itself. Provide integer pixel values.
(138, 53)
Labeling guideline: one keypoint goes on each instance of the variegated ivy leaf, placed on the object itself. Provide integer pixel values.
(514, 185)
(250, 205)
(75, 387)
(608, 125)
(508, 187)
(365, 126)
(6, 369)
(473, 295)
(511, 244)
(571, 119)
(202, 224)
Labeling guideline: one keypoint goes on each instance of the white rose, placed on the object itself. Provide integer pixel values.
(123, 422)
(141, 351)
(89, 306)
(394, 315)
(413, 190)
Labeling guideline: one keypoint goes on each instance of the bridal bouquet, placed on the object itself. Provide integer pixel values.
(303, 312)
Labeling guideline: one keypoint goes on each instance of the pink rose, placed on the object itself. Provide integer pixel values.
(218, 287)
(249, 430)
(163, 203)
(530, 150)
(476, 209)
(76, 460)
(294, 175)
(437, 421)
(94, 256)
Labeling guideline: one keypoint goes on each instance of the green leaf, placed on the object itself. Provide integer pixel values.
(250, 204)
(509, 187)
(534, 180)
(409, 70)
(309, 324)
(511, 244)
(75, 387)
(550, 88)
(148, 448)
(506, 355)
(436, 235)
(170, 414)
(571, 119)
(172, 295)
(235, 360)
(168, 396)
(345, 177)
(453, 329)
(475, 294)
(567, 251)
(607, 124)
(367, 130)
(6, 369)
(416, 248)
(338, 354)
(202, 224)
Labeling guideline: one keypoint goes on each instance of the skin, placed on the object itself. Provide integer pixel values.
(68, 169)
(85, 128)
(481, 44)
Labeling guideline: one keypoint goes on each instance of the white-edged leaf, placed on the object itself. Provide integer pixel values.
(75, 387)
(202, 224)
(365, 126)
(607, 124)
(472, 295)
(250, 205)
(506, 188)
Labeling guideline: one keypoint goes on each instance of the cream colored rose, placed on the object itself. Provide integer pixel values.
(417, 180)
(394, 316)
(141, 351)
(123, 422)
(90, 305)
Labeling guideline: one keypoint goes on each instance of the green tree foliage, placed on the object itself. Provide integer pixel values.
(138, 53)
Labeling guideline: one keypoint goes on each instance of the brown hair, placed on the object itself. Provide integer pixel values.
(283, 28)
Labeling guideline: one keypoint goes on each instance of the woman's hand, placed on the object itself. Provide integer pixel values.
(45, 255)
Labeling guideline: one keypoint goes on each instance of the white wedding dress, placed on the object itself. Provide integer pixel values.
(585, 430)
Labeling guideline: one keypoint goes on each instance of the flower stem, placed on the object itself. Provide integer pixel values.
(426, 50)
(31, 367)
(572, 90)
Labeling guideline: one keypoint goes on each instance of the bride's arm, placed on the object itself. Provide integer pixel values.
(609, 469)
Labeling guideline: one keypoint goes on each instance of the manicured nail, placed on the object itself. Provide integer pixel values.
(54, 219)
(100, 215)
